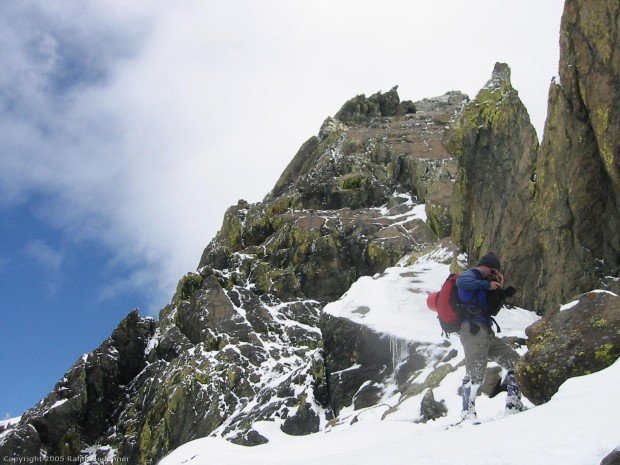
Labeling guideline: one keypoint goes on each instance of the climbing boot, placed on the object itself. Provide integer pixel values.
(513, 399)
(468, 393)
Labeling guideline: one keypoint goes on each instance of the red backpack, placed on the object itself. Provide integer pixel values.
(446, 303)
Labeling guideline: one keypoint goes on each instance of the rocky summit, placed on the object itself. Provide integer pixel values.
(429, 186)
(242, 340)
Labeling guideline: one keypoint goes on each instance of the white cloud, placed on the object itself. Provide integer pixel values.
(46, 256)
(140, 122)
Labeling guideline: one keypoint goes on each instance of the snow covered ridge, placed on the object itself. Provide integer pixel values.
(392, 305)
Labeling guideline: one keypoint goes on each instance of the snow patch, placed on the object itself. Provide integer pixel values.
(569, 305)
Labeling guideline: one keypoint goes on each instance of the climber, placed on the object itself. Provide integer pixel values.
(481, 293)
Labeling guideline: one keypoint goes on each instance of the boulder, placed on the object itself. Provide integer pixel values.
(430, 409)
(577, 341)
(358, 360)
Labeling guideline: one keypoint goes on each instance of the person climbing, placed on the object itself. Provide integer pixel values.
(481, 293)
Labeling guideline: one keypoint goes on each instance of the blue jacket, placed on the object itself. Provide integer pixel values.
(472, 291)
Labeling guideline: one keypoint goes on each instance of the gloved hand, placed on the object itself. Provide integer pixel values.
(509, 291)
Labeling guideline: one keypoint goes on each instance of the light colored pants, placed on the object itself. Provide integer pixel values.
(482, 347)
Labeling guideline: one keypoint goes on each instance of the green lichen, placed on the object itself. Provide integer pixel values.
(432, 381)
(479, 242)
(319, 382)
(350, 147)
(455, 267)
(601, 117)
(232, 377)
(352, 181)
(600, 323)
(606, 354)
(303, 240)
(378, 255)
(188, 285)
(439, 219)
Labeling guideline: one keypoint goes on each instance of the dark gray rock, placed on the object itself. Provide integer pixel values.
(22, 441)
(85, 403)
(613, 458)
(492, 383)
(249, 438)
(359, 361)
(360, 109)
(305, 421)
(367, 396)
(430, 409)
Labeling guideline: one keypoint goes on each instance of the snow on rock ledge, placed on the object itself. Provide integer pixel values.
(384, 348)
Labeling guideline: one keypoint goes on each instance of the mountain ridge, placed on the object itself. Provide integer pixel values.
(245, 339)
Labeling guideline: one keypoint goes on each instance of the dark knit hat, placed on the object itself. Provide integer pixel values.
(491, 260)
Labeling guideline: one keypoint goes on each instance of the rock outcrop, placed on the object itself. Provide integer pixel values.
(241, 339)
(359, 361)
(496, 147)
(613, 458)
(573, 342)
(85, 403)
(551, 213)
(578, 172)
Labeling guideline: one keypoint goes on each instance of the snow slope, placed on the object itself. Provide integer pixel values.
(579, 426)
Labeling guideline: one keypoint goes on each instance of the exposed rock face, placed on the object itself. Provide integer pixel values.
(364, 367)
(572, 342)
(552, 214)
(343, 208)
(359, 360)
(578, 185)
(333, 215)
(496, 147)
(84, 404)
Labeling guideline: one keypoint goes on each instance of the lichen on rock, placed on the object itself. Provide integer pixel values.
(572, 342)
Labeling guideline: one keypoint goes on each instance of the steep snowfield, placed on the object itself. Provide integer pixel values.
(579, 426)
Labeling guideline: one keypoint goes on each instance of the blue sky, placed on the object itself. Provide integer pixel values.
(127, 128)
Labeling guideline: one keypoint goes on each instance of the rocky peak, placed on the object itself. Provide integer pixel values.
(551, 212)
(352, 183)
(500, 78)
(361, 108)
(496, 147)
(241, 339)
